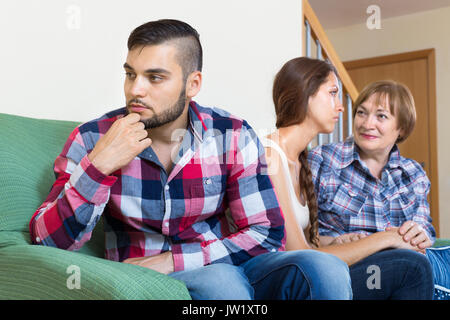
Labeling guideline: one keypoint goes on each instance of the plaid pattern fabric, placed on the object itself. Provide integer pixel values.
(350, 199)
(216, 205)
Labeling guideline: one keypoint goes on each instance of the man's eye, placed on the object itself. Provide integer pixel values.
(155, 78)
(334, 93)
(382, 116)
(129, 75)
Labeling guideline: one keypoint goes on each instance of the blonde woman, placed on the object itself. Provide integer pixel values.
(365, 186)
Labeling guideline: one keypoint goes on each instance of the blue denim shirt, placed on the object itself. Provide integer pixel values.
(350, 199)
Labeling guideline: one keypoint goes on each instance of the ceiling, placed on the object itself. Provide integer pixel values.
(340, 13)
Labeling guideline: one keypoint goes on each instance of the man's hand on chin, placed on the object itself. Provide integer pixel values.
(162, 263)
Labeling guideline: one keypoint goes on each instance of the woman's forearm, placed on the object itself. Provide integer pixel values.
(354, 251)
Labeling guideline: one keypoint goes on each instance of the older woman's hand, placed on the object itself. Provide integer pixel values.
(415, 234)
(397, 241)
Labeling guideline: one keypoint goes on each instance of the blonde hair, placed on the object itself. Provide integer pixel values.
(401, 103)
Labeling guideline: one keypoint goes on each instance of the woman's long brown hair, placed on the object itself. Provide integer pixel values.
(299, 79)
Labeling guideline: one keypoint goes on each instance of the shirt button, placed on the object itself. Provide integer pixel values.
(38, 239)
(166, 187)
(166, 224)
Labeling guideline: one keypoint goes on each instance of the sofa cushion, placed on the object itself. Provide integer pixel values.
(28, 149)
(38, 272)
(441, 242)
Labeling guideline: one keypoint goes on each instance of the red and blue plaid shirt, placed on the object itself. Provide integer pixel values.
(216, 205)
(350, 199)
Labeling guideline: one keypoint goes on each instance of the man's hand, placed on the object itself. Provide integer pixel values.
(162, 263)
(415, 234)
(125, 139)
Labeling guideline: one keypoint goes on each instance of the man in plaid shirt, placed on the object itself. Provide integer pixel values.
(182, 188)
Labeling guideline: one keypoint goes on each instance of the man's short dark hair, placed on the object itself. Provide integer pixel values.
(184, 37)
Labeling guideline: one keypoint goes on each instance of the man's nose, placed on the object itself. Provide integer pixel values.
(138, 88)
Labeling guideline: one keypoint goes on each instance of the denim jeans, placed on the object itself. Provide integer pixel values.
(220, 281)
(440, 262)
(397, 274)
(287, 275)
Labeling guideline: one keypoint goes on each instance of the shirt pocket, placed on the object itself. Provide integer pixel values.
(405, 204)
(348, 203)
(206, 197)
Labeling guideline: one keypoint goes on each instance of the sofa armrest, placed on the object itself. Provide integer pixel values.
(441, 242)
(39, 272)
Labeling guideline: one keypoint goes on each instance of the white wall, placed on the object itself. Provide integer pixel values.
(58, 66)
(409, 33)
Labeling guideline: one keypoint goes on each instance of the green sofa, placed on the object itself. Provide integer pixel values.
(28, 148)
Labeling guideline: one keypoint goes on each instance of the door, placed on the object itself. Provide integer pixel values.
(417, 71)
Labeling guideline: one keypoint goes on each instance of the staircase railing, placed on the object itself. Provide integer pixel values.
(317, 40)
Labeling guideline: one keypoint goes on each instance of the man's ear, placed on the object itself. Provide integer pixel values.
(193, 84)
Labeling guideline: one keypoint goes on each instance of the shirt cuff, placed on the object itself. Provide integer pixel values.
(430, 235)
(187, 256)
(91, 183)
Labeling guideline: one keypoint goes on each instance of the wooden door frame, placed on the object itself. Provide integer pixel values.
(430, 57)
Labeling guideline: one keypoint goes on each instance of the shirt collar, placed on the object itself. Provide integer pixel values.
(194, 135)
(197, 123)
(394, 157)
(351, 153)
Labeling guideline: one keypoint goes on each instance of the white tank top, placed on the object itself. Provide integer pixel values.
(301, 211)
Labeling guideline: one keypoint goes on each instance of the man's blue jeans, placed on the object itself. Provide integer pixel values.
(397, 274)
(286, 275)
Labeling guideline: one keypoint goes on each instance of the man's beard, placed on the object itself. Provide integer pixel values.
(166, 116)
